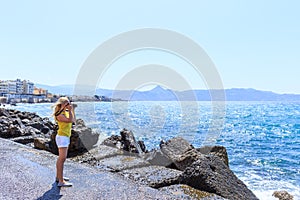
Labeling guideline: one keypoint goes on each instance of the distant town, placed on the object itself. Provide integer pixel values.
(24, 91)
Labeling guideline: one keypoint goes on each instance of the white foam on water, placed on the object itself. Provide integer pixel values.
(267, 194)
(264, 189)
(264, 195)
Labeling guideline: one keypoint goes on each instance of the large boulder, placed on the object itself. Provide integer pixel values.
(209, 173)
(181, 153)
(82, 139)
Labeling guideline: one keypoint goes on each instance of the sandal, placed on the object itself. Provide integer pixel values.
(65, 184)
(65, 179)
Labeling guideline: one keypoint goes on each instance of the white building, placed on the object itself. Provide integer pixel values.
(3, 87)
(28, 87)
(16, 87)
(12, 87)
(19, 86)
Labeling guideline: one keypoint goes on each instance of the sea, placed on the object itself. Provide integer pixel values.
(262, 138)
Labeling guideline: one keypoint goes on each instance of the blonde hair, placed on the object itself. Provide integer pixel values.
(57, 106)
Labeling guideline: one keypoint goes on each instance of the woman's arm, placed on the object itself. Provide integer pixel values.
(63, 118)
(74, 116)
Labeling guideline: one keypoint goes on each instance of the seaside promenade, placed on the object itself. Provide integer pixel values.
(28, 173)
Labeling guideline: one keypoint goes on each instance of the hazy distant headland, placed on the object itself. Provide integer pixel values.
(161, 94)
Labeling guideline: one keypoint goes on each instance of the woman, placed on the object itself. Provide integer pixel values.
(64, 116)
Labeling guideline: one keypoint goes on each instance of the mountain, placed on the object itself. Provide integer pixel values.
(235, 94)
(59, 89)
(162, 94)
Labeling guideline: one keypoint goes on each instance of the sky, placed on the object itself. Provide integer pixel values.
(253, 44)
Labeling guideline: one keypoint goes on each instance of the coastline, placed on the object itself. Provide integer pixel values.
(27, 127)
(108, 164)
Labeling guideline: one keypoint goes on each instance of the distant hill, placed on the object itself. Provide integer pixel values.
(161, 94)
(59, 89)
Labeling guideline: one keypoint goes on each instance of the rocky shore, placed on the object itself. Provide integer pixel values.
(177, 168)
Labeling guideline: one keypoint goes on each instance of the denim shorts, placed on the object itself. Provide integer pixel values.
(62, 141)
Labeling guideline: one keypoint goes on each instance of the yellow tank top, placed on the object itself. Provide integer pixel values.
(64, 128)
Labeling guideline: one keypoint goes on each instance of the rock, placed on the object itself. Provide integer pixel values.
(180, 152)
(209, 173)
(37, 125)
(121, 162)
(129, 142)
(153, 176)
(175, 147)
(25, 121)
(4, 112)
(98, 153)
(126, 142)
(156, 157)
(82, 139)
(14, 131)
(45, 130)
(205, 172)
(41, 143)
(283, 195)
(17, 124)
(102, 152)
(113, 141)
(142, 146)
(23, 139)
(219, 151)
(186, 192)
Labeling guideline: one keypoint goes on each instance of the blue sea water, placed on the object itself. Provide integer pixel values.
(262, 138)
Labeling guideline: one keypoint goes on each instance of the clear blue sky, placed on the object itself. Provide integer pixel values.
(254, 44)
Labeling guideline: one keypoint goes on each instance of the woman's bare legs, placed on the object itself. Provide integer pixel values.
(62, 155)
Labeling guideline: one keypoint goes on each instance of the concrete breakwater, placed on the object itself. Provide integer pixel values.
(177, 169)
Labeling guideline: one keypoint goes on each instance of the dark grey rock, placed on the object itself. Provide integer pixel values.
(126, 142)
(82, 139)
(211, 174)
(17, 124)
(156, 157)
(180, 152)
(129, 142)
(175, 147)
(113, 141)
(219, 151)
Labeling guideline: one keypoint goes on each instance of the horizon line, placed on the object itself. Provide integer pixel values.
(155, 86)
